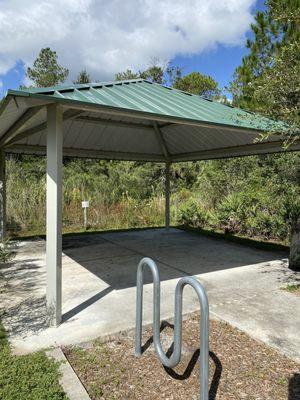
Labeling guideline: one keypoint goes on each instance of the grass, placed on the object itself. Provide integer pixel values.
(124, 214)
(30, 377)
(293, 288)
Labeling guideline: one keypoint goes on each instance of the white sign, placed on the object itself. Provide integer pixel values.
(85, 204)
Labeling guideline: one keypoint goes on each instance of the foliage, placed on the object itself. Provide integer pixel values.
(292, 207)
(253, 196)
(278, 89)
(268, 81)
(173, 74)
(3, 338)
(274, 28)
(26, 195)
(231, 213)
(6, 252)
(193, 214)
(197, 83)
(194, 82)
(83, 77)
(154, 73)
(293, 288)
(30, 377)
(121, 194)
(127, 75)
(46, 71)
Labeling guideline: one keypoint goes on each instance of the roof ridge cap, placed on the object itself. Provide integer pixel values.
(78, 86)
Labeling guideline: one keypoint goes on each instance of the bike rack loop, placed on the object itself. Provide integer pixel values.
(204, 322)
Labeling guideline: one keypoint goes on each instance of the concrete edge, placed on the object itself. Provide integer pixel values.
(130, 332)
(69, 380)
(255, 337)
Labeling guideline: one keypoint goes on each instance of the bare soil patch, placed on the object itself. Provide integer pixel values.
(240, 367)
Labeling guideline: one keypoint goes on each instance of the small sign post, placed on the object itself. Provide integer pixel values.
(85, 206)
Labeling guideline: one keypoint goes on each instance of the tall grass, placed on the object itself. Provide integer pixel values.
(254, 196)
(118, 198)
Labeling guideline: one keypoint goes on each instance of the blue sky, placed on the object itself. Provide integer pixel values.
(218, 60)
(13, 78)
(221, 62)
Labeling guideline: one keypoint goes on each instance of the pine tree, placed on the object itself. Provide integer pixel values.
(197, 83)
(126, 75)
(156, 72)
(272, 29)
(83, 77)
(46, 71)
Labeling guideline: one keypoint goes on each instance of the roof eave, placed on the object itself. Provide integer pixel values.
(78, 104)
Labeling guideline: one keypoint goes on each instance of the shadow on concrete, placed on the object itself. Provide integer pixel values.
(294, 387)
(26, 275)
(71, 313)
(22, 298)
(27, 317)
(113, 257)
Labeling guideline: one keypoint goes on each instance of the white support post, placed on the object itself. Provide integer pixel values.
(54, 213)
(167, 196)
(2, 195)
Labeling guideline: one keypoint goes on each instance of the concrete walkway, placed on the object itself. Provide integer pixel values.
(243, 285)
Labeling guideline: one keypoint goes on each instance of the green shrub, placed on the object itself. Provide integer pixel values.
(266, 224)
(254, 196)
(231, 213)
(291, 207)
(253, 212)
(6, 252)
(193, 214)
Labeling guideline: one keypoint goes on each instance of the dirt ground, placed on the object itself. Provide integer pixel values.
(240, 367)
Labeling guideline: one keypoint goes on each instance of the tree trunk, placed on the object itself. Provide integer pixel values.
(294, 258)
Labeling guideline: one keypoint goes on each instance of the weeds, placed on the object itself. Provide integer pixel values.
(30, 377)
(253, 197)
(293, 288)
(6, 252)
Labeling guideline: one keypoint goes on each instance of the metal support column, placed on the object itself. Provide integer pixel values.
(167, 196)
(54, 213)
(2, 195)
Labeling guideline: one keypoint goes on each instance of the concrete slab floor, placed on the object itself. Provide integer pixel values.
(99, 271)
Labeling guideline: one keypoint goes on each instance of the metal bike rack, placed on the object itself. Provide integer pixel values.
(204, 322)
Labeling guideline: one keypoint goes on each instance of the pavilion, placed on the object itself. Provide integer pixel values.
(133, 120)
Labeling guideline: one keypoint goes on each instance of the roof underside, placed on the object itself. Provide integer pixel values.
(133, 120)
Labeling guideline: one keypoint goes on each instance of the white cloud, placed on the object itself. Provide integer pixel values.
(108, 36)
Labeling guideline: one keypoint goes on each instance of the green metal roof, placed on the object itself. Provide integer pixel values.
(147, 97)
(134, 120)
